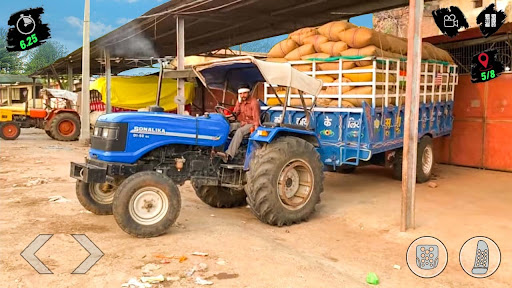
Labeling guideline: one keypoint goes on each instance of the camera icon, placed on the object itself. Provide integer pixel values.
(451, 21)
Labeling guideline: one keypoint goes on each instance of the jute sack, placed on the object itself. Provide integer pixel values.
(334, 65)
(281, 60)
(298, 102)
(300, 35)
(333, 48)
(370, 50)
(273, 101)
(315, 55)
(367, 77)
(361, 37)
(397, 45)
(317, 41)
(282, 48)
(334, 89)
(303, 67)
(332, 29)
(325, 78)
(297, 53)
(367, 90)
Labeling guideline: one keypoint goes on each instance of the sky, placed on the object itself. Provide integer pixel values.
(65, 18)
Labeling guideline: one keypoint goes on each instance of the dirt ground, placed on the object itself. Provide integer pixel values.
(355, 230)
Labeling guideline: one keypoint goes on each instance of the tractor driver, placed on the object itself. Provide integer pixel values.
(248, 112)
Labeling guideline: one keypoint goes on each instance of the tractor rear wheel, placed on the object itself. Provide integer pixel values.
(221, 197)
(146, 204)
(9, 130)
(285, 180)
(65, 127)
(49, 133)
(96, 197)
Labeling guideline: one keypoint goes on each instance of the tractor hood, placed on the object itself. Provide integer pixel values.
(137, 133)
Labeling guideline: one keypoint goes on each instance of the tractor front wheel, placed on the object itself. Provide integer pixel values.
(9, 130)
(285, 180)
(221, 197)
(96, 197)
(65, 127)
(146, 204)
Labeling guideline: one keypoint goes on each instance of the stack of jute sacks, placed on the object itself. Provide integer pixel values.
(341, 38)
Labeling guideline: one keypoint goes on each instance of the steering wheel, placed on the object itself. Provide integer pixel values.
(230, 116)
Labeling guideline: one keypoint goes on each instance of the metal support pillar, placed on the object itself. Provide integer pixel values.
(108, 78)
(180, 55)
(411, 115)
(85, 134)
(33, 92)
(70, 78)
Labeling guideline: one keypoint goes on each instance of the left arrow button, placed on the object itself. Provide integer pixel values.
(29, 254)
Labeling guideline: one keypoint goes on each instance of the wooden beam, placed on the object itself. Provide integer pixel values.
(108, 77)
(70, 77)
(33, 92)
(180, 52)
(411, 116)
(56, 76)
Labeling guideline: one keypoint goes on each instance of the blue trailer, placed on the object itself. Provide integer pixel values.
(137, 158)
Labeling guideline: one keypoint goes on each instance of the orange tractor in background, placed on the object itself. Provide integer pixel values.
(58, 118)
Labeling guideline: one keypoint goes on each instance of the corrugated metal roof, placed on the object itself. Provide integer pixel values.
(12, 79)
(212, 25)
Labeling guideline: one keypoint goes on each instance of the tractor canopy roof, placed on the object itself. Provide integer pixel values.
(58, 93)
(230, 73)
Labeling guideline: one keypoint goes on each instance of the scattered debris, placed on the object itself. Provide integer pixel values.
(247, 206)
(372, 278)
(153, 280)
(85, 211)
(201, 281)
(173, 278)
(14, 185)
(286, 231)
(134, 283)
(221, 262)
(243, 222)
(39, 161)
(201, 267)
(223, 275)
(148, 268)
(432, 184)
(58, 199)
(191, 272)
(212, 215)
(200, 253)
(37, 181)
(168, 259)
(397, 267)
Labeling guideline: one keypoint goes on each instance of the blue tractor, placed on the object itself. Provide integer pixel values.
(137, 159)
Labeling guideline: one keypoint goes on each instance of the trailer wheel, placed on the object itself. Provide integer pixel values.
(221, 197)
(285, 180)
(424, 161)
(146, 204)
(65, 127)
(10, 130)
(95, 197)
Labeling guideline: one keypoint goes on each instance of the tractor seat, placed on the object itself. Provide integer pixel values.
(292, 126)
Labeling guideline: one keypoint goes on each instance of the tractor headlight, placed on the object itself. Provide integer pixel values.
(97, 131)
(109, 133)
(263, 133)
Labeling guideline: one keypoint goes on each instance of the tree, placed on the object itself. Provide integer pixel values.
(10, 62)
(44, 55)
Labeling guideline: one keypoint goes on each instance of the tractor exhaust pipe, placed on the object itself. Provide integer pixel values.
(156, 107)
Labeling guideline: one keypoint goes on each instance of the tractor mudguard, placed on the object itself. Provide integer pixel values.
(271, 133)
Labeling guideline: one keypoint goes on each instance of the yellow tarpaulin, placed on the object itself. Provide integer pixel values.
(140, 92)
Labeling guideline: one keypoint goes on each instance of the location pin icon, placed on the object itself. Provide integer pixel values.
(484, 59)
